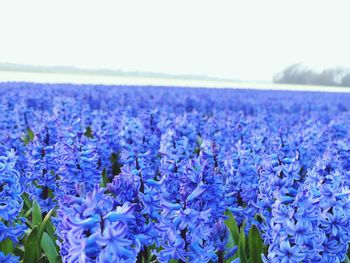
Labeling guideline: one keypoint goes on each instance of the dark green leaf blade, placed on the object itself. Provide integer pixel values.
(32, 247)
(104, 179)
(232, 225)
(26, 200)
(49, 248)
(255, 245)
(45, 222)
(6, 246)
(242, 246)
(36, 214)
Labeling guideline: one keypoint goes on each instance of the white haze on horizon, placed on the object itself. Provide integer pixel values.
(247, 40)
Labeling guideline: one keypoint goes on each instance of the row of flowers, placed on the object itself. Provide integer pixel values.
(149, 174)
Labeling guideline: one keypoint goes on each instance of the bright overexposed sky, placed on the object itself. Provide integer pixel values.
(248, 40)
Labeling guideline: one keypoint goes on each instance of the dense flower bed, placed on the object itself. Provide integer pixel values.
(149, 174)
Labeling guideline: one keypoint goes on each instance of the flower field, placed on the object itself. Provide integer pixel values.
(93, 173)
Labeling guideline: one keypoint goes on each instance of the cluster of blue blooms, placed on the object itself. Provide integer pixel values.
(94, 229)
(144, 174)
(11, 225)
(10, 199)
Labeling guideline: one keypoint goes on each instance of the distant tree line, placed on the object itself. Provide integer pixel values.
(300, 74)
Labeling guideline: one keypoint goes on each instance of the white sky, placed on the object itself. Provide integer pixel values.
(248, 40)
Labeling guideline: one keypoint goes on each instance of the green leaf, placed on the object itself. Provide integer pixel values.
(28, 213)
(150, 255)
(49, 248)
(116, 166)
(45, 222)
(42, 259)
(26, 200)
(232, 225)
(28, 137)
(6, 246)
(104, 178)
(36, 214)
(230, 244)
(32, 247)
(50, 229)
(18, 252)
(255, 245)
(242, 246)
(199, 140)
(88, 132)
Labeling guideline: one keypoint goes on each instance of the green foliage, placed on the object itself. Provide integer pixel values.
(28, 137)
(6, 246)
(104, 178)
(255, 245)
(36, 214)
(116, 167)
(26, 200)
(49, 248)
(39, 242)
(232, 225)
(242, 246)
(250, 247)
(45, 222)
(18, 252)
(50, 229)
(199, 142)
(32, 249)
(88, 132)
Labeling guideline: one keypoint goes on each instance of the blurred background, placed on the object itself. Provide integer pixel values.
(160, 42)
